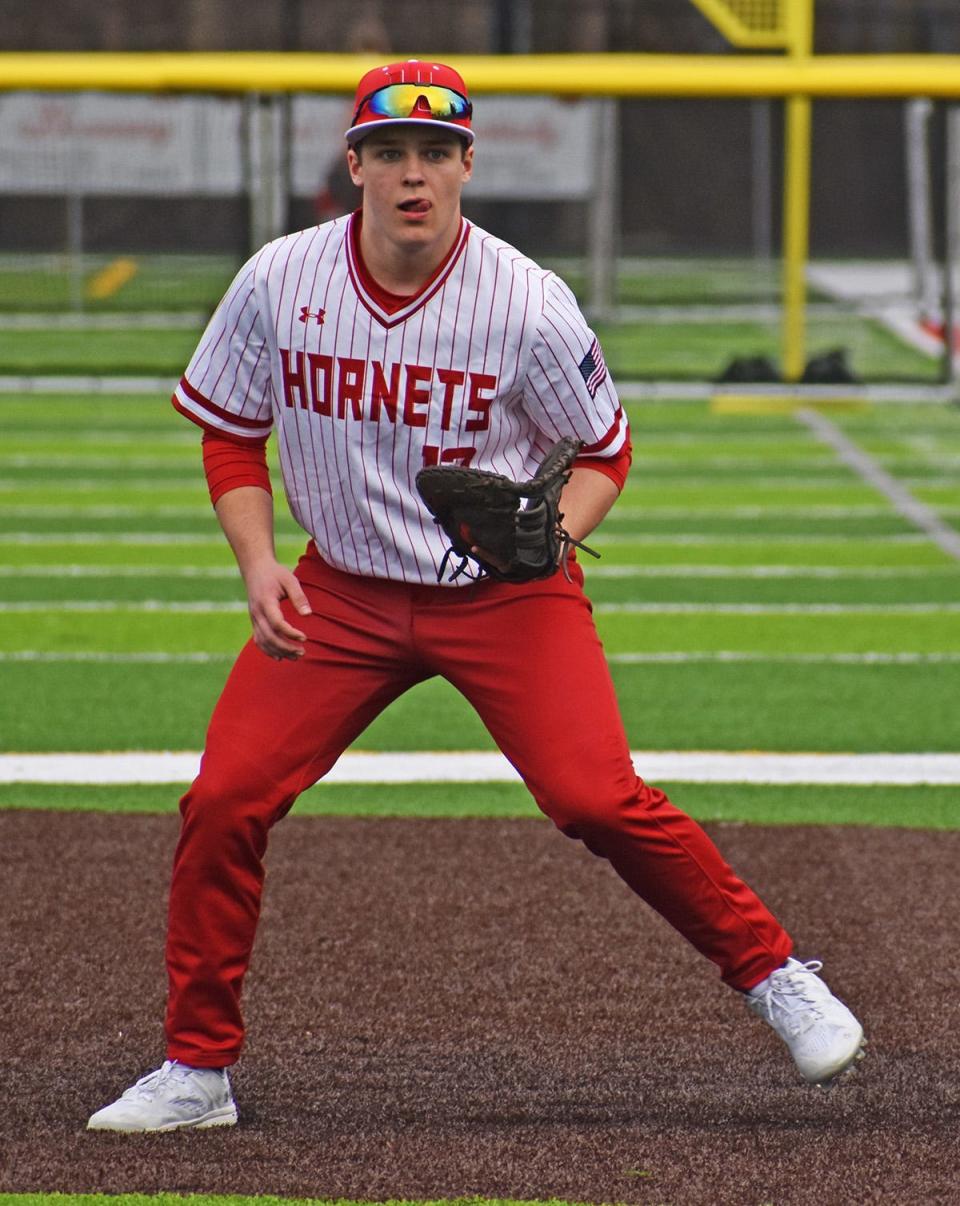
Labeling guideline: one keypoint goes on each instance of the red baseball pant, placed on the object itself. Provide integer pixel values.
(529, 660)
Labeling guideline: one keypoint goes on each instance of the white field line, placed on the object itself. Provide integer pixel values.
(788, 484)
(679, 657)
(774, 511)
(629, 391)
(604, 540)
(204, 606)
(695, 391)
(124, 511)
(85, 384)
(874, 474)
(154, 657)
(643, 514)
(697, 539)
(475, 767)
(161, 320)
(105, 484)
(215, 606)
(764, 571)
(185, 480)
(57, 511)
(24, 460)
(774, 609)
(866, 658)
(119, 571)
(92, 570)
(105, 538)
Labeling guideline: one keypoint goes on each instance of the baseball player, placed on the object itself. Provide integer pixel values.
(399, 337)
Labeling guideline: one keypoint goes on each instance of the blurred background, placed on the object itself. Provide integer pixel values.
(119, 202)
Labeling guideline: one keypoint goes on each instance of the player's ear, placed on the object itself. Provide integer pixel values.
(355, 166)
(468, 163)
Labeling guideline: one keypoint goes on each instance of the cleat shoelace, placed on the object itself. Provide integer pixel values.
(148, 1086)
(790, 995)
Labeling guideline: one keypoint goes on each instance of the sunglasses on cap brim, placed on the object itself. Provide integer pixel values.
(400, 100)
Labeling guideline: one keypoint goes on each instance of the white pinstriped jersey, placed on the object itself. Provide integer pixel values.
(487, 366)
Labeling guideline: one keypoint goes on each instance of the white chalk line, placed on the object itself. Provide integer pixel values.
(767, 571)
(646, 514)
(93, 570)
(163, 657)
(134, 321)
(874, 474)
(216, 606)
(610, 539)
(482, 767)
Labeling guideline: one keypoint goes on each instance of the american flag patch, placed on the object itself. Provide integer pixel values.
(592, 368)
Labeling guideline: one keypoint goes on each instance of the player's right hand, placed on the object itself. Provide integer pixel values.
(266, 587)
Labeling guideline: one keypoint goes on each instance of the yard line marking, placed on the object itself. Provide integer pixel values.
(775, 609)
(119, 571)
(140, 657)
(609, 539)
(164, 320)
(764, 571)
(98, 511)
(483, 767)
(104, 484)
(679, 657)
(86, 384)
(874, 474)
(703, 538)
(144, 605)
(638, 608)
(101, 511)
(23, 460)
(101, 538)
(112, 278)
(774, 511)
(786, 484)
(629, 391)
(600, 571)
(868, 658)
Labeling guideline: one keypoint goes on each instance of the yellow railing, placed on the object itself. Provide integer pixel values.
(731, 75)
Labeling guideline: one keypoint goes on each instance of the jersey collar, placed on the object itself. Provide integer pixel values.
(388, 308)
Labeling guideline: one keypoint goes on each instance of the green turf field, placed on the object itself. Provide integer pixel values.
(753, 594)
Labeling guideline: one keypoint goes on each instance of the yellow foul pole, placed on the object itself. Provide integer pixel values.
(796, 198)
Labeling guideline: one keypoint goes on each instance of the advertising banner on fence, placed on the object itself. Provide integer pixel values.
(533, 148)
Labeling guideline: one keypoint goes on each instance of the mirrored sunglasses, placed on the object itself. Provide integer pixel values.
(400, 100)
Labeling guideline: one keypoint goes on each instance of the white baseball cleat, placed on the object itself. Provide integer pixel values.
(173, 1097)
(821, 1033)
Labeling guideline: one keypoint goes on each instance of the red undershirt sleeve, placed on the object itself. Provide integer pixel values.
(615, 467)
(230, 463)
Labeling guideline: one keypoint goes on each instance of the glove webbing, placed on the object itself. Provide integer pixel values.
(464, 569)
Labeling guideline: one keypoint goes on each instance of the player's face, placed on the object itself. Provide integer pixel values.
(412, 179)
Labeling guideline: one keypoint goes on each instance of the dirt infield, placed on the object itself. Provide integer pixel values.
(444, 1008)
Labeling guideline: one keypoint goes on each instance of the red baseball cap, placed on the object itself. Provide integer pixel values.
(413, 92)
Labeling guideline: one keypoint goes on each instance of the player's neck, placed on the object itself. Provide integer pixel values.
(404, 268)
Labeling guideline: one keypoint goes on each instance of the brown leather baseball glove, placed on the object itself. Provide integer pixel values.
(481, 513)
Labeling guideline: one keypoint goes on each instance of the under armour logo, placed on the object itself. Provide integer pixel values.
(306, 314)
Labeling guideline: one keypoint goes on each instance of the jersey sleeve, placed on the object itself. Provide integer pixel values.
(226, 387)
(568, 389)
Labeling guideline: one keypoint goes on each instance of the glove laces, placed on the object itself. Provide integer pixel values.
(476, 574)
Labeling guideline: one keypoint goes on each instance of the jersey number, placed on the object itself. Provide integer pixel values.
(449, 456)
